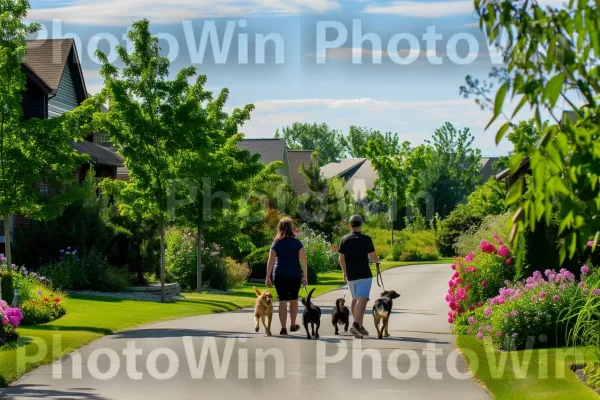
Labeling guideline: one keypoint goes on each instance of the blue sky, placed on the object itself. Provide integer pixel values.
(291, 85)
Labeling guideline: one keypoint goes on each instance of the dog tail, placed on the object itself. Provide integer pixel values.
(307, 303)
(381, 310)
(258, 293)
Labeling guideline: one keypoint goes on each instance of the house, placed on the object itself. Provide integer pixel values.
(55, 85)
(272, 150)
(487, 168)
(359, 174)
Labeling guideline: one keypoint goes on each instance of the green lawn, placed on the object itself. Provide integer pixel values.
(90, 318)
(545, 374)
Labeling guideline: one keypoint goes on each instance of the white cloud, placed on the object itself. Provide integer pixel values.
(124, 12)
(421, 9)
(363, 103)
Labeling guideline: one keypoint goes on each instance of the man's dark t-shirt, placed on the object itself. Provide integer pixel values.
(356, 248)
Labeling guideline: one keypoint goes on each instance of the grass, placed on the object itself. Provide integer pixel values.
(545, 375)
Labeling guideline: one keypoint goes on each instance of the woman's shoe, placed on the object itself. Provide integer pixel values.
(294, 328)
(283, 331)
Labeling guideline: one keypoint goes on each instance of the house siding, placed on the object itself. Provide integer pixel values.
(66, 96)
(34, 101)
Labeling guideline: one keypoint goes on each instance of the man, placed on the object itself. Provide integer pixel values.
(355, 251)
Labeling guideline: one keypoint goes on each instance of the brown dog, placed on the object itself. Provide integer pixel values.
(263, 310)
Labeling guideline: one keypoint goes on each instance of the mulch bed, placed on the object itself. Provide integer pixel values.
(578, 370)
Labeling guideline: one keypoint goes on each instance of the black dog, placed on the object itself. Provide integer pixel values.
(382, 310)
(340, 315)
(312, 316)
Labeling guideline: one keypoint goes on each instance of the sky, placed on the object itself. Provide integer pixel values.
(388, 65)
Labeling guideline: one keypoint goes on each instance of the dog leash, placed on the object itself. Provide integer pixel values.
(305, 291)
(345, 291)
(379, 277)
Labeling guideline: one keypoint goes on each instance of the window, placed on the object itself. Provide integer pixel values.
(44, 190)
(102, 139)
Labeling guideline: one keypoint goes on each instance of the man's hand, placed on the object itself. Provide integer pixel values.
(268, 281)
(345, 278)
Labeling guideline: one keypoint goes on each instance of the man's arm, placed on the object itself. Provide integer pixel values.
(343, 265)
(372, 253)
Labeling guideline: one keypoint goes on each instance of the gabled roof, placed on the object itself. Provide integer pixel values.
(340, 167)
(270, 150)
(358, 172)
(46, 59)
(487, 168)
(295, 158)
(98, 154)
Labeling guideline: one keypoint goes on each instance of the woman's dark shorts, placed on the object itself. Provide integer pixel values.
(287, 287)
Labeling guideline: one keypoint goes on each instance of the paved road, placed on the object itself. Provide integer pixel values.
(169, 364)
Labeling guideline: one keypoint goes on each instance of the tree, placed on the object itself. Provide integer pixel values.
(524, 136)
(148, 121)
(328, 143)
(359, 137)
(392, 181)
(551, 54)
(444, 171)
(32, 151)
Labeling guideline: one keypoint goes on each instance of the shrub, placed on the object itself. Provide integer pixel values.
(8, 288)
(491, 224)
(237, 273)
(545, 304)
(592, 375)
(46, 307)
(181, 261)
(478, 277)
(321, 255)
(257, 261)
(414, 246)
(10, 319)
(378, 220)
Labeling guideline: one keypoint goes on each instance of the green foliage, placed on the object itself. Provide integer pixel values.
(237, 273)
(414, 246)
(181, 253)
(547, 52)
(592, 375)
(492, 224)
(444, 171)
(257, 260)
(89, 271)
(8, 288)
(487, 199)
(44, 307)
(33, 151)
(382, 239)
(328, 143)
(378, 220)
(326, 202)
(321, 255)
(524, 136)
(358, 137)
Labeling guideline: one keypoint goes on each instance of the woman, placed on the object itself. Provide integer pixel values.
(286, 256)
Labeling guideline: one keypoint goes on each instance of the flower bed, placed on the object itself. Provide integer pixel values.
(539, 311)
(11, 318)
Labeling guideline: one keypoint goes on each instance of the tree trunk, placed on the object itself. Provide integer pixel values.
(199, 260)
(162, 262)
(7, 250)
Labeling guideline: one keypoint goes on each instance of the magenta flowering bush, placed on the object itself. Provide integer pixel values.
(537, 312)
(477, 277)
(10, 319)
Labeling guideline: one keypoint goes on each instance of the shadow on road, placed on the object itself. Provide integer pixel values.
(45, 392)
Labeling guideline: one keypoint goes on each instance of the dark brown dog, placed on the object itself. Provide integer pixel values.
(382, 310)
(263, 310)
(340, 315)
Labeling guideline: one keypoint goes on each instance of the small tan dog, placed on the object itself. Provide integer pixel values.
(263, 310)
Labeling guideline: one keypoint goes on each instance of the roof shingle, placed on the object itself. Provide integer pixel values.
(47, 59)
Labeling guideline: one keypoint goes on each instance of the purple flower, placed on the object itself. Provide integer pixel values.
(499, 334)
(584, 270)
(590, 243)
(488, 311)
(488, 328)
(514, 313)
(542, 295)
(581, 284)
(62, 251)
(471, 320)
(480, 335)
(39, 292)
(596, 292)
(555, 298)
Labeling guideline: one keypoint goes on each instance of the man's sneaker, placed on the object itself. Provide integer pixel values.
(363, 331)
(355, 330)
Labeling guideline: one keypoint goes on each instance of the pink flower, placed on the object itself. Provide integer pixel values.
(596, 292)
(504, 251)
(480, 335)
(469, 257)
(484, 283)
(584, 270)
(487, 247)
(590, 243)
(471, 320)
(450, 320)
(499, 334)
(581, 284)
(488, 311)
(508, 261)
(488, 328)
(555, 298)
(542, 295)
